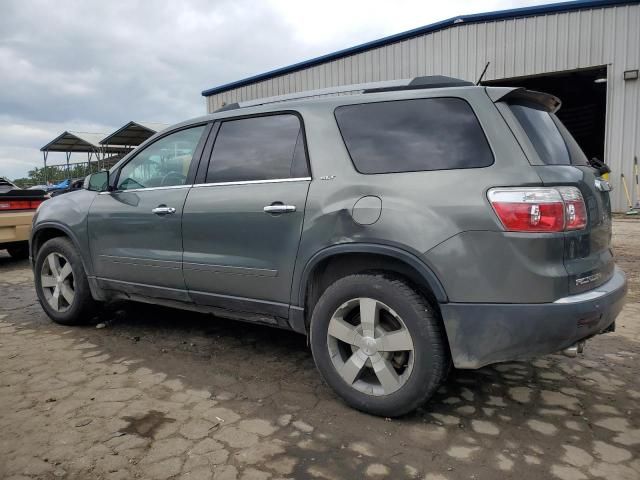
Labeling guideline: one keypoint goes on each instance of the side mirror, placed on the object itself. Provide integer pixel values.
(97, 182)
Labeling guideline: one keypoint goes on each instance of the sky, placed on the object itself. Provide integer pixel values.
(94, 66)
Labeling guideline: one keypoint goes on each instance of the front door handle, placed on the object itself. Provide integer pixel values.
(278, 207)
(163, 210)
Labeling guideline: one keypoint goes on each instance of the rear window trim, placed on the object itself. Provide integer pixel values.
(475, 115)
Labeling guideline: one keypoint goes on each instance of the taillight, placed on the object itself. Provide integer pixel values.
(539, 209)
(19, 204)
(575, 211)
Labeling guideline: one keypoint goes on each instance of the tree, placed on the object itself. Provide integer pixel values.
(23, 182)
(57, 173)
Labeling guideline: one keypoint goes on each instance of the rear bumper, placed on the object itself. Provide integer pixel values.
(15, 227)
(481, 334)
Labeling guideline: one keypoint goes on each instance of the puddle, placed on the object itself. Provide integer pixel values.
(146, 425)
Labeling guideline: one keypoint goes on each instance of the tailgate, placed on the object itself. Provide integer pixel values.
(588, 257)
(559, 161)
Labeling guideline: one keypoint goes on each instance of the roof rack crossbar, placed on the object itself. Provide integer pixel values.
(435, 81)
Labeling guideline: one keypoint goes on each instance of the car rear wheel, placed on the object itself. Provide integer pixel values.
(378, 344)
(19, 252)
(61, 283)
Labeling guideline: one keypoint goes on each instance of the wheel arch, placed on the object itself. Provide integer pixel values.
(48, 230)
(341, 260)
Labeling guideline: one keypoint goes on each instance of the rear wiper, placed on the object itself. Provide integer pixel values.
(600, 166)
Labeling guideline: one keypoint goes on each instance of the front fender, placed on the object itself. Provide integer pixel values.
(68, 214)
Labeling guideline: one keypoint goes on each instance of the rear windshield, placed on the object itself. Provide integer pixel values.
(552, 141)
(413, 135)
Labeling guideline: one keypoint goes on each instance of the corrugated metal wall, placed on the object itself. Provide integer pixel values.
(515, 47)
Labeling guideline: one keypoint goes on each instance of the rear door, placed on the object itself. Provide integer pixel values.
(135, 231)
(559, 160)
(242, 225)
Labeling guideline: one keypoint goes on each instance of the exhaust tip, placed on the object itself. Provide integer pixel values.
(574, 350)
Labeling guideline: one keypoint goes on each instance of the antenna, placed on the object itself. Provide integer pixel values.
(483, 72)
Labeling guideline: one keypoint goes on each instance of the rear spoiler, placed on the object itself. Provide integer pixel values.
(549, 102)
(24, 194)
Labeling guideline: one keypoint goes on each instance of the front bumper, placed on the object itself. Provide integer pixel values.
(15, 226)
(481, 334)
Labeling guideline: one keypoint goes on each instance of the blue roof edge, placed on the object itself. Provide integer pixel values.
(473, 18)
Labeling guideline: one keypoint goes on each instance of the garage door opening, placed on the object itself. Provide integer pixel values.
(584, 102)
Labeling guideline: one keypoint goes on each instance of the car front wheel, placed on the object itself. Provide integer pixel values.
(378, 344)
(61, 283)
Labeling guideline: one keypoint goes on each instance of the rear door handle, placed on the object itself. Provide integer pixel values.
(163, 210)
(279, 208)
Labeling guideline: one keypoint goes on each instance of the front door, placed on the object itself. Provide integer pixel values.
(242, 226)
(135, 232)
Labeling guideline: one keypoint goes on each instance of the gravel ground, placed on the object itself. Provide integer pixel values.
(160, 394)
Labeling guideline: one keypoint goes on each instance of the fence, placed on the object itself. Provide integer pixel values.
(52, 174)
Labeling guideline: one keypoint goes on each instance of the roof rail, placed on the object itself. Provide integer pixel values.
(434, 81)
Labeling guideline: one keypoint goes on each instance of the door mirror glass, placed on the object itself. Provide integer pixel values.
(97, 182)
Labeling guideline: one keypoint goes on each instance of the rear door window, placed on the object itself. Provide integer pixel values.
(413, 135)
(258, 148)
(543, 133)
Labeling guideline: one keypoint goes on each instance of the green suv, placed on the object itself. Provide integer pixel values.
(403, 226)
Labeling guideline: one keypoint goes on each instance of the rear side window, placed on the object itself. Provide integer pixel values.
(258, 148)
(413, 135)
(543, 134)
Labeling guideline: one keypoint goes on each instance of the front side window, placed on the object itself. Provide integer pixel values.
(164, 163)
(258, 148)
(413, 135)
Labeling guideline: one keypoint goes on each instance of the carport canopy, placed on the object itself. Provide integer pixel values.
(71, 142)
(133, 133)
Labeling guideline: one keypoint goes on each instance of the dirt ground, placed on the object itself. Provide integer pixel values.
(161, 394)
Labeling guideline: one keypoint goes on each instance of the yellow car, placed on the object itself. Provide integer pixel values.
(17, 207)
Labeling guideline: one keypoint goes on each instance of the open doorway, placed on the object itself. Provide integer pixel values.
(584, 102)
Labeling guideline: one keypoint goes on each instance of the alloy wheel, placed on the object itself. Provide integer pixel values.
(57, 282)
(370, 346)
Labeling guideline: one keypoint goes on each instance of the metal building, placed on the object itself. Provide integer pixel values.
(69, 143)
(104, 150)
(133, 133)
(586, 52)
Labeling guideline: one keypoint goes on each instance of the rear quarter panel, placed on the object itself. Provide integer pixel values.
(420, 210)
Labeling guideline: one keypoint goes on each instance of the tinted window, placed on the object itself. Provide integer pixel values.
(543, 133)
(575, 151)
(163, 163)
(258, 148)
(413, 135)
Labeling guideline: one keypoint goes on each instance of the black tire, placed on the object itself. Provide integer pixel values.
(19, 252)
(83, 307)
(431, 358)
